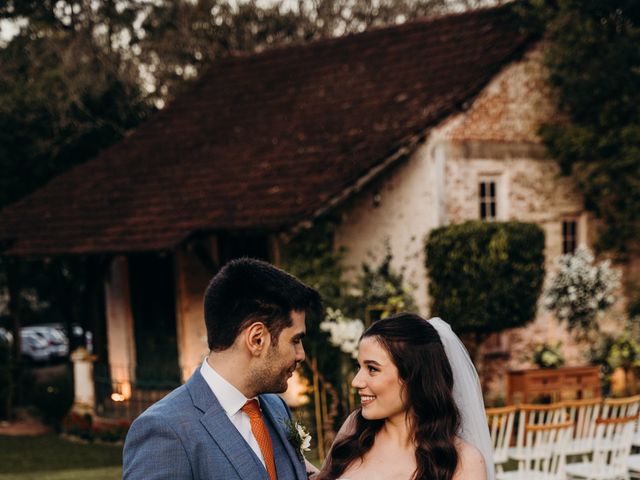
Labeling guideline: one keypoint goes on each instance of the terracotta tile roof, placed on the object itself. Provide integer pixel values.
(264, 141)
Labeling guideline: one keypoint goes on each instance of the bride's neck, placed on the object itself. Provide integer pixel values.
(398, 430)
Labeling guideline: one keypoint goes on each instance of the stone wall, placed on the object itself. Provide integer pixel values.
(495, 137)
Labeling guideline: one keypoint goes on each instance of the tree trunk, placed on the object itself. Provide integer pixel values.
(15, 392)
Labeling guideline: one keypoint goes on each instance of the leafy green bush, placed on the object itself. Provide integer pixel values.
(379, 287)
(54, 398)
(485, 277)
(622, 351)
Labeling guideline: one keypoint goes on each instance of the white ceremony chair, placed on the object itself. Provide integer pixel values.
(583, 414)
(548, 443)
(612, 443)
(501, 429)
(633, 465)
(636, 436)
(533, 416)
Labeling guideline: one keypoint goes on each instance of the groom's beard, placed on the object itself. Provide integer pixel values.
(273, 376)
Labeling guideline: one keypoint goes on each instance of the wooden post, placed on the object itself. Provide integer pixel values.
(318, 407)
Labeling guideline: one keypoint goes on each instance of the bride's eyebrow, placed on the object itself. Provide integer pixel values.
(372, 362)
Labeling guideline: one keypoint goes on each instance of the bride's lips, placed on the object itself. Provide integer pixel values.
(366, 399)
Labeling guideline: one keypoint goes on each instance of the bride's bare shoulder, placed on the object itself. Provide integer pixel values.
(471, 464)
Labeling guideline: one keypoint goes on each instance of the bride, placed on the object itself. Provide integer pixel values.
(421, 416)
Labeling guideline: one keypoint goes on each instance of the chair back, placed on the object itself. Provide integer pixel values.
(583, 414)
(614, 433)
(501, 428)
(536, 416)
(613, 436)
(548, 446)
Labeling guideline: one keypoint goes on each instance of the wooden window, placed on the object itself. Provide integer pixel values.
(488, 199)
(569, 235)
(496, 345)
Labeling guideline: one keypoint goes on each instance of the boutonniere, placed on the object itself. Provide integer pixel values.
(298, 437)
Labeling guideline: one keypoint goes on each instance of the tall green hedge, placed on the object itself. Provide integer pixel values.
(485, 277)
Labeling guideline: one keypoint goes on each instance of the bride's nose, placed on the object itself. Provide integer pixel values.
(357, 381)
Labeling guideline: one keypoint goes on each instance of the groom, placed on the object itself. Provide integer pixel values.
(224, 423)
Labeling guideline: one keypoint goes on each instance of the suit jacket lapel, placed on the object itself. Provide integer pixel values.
(279, 424)
(223, 432)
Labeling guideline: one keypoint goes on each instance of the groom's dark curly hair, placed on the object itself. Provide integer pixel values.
(247, 290)
(417, 352)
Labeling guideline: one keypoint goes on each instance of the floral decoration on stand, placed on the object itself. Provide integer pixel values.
(548, 355)
(581, 289)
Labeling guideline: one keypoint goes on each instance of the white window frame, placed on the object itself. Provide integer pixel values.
(489, 199)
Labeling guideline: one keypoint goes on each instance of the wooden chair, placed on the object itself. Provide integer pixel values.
(547, 447)
(612, 442)
(533, 416)
(583, 414)
(501, 429)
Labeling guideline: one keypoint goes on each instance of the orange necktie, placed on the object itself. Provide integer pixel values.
(261, 433)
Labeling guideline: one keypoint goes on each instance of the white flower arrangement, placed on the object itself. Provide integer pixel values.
(581, 288)
(344, 332)
(547, 355)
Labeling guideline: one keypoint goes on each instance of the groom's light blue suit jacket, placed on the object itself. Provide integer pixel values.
(187, 435)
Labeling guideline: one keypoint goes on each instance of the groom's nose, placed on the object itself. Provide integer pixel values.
(300, 355)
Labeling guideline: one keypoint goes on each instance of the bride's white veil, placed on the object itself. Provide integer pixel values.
(467, 394)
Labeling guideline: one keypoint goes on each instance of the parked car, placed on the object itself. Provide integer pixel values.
(58, 344)
(33, 347)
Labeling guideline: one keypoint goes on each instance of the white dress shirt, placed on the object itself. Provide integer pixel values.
(232, 401)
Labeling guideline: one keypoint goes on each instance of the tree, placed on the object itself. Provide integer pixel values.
(180, 38)
(593, 57)
(65, 94)
(485, 277)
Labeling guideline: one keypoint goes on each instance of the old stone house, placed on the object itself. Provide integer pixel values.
(398, 130)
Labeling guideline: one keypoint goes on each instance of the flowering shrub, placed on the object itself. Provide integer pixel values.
(90, 429)
(581, 289)
(547, 355)
(344, 332)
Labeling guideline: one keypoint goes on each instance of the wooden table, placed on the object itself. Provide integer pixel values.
(525, 385)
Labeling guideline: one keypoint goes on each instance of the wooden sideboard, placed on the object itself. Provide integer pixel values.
(570, 382)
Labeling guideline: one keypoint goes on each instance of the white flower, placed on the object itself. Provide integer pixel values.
(344, 333)
(305, 436)
(299, 438)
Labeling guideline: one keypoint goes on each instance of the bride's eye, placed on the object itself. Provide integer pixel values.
(372, 369)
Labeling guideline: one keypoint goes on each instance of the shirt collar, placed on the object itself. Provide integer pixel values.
(231, 399)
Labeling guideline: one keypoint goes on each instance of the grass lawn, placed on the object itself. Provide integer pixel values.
(48, 457)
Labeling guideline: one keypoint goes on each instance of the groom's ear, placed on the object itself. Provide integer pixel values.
(257, 338)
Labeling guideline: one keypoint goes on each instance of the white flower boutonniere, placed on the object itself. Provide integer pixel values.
(299, 438)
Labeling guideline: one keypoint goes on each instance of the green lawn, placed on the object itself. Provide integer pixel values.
(48, 457)
(105, 473)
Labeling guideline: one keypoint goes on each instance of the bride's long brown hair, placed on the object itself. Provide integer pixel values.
(423, 367)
